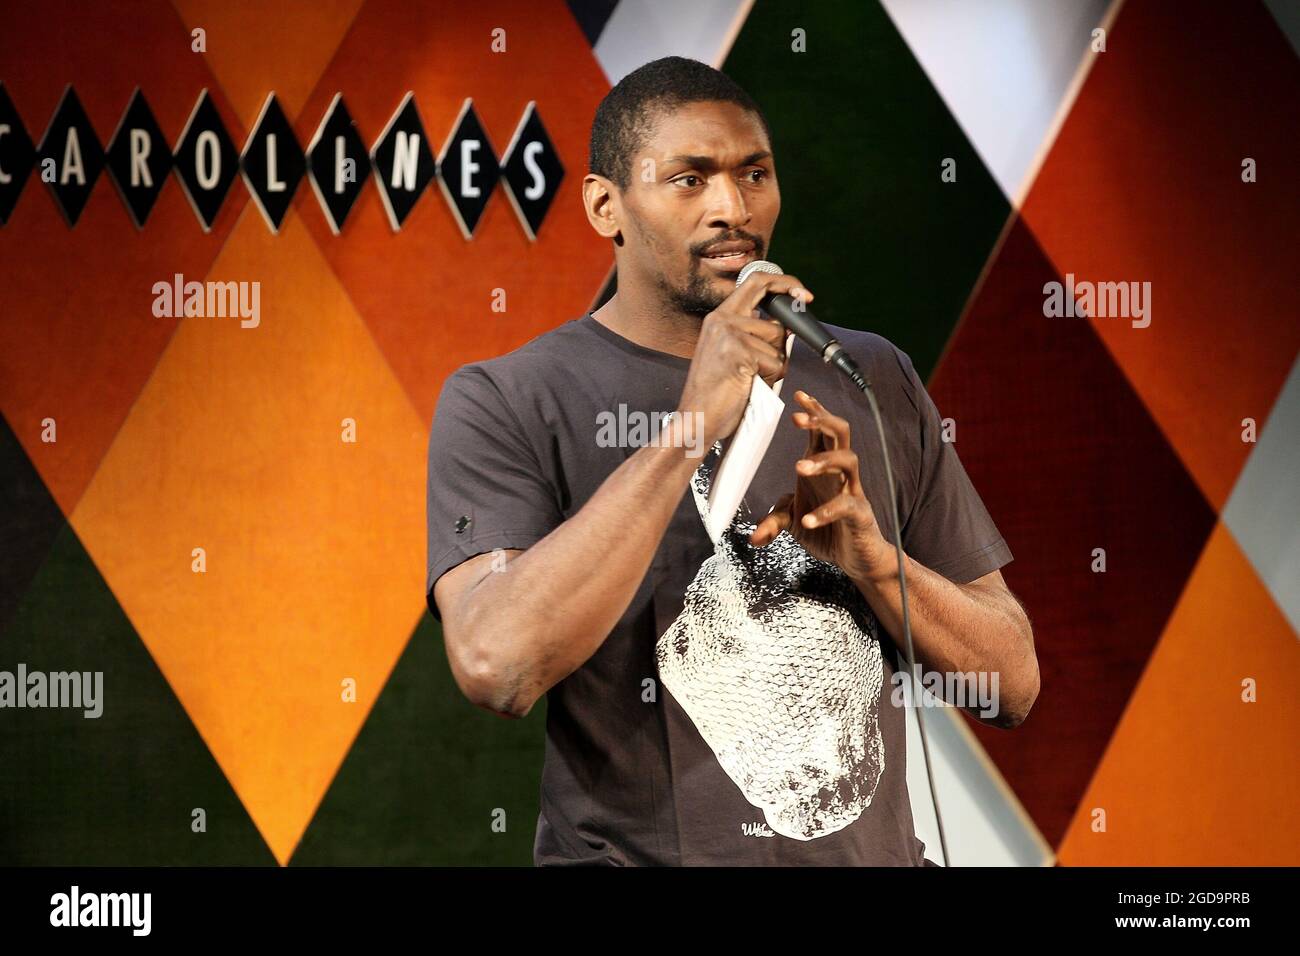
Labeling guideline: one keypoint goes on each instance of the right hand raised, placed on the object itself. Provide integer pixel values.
(735, 344)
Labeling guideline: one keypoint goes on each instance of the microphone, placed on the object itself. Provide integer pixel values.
(797, 319)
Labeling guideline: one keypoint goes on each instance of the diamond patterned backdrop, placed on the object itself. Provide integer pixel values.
(224, 688)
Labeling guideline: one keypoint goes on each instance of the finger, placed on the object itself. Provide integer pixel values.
(778, 520)
(820, 436)
(782, 348)
(834, 427)
(807, 421)
(773, 377)
(750, 293)
(769, 360)
(843, 505)
(769, 330)
(725, 324)
(837, 461)
(746, 352)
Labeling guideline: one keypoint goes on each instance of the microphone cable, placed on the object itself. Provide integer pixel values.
(864, 385)
(832, 353)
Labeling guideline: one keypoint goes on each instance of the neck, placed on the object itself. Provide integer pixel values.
(644, 319)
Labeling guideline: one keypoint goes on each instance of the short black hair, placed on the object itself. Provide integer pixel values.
(626, 114)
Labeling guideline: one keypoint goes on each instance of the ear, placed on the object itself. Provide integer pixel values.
(600, 199)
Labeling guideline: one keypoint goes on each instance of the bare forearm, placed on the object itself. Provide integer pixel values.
(547, 611)
(959, 629)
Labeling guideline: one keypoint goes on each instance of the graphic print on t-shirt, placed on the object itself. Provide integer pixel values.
(775, 659)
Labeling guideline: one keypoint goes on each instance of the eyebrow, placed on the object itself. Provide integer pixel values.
(709, 163)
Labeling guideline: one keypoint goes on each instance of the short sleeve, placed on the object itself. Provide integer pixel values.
(486, 488)
(949, 530)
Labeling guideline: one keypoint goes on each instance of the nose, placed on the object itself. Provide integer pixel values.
(727, 209)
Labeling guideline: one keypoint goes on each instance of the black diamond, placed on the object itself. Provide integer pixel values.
(468, 170)
(336, 142)
(139, 159)
(404, 163)
(532, 171)
(273, 163)
(17, 156)
(220, 161)
(73, 155)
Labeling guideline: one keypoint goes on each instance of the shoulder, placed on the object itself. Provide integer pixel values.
(865, 344)
(516, 373)
(885, 363)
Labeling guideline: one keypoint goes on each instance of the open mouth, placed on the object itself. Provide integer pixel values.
(729, 255)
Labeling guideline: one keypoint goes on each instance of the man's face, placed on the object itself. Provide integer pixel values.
(701, 203)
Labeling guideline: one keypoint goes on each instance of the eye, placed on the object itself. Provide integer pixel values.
(683, 181)
(756, 175)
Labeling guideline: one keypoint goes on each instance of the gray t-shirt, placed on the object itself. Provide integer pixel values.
(741, 710)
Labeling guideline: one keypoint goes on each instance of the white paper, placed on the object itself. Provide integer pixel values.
(746, 451)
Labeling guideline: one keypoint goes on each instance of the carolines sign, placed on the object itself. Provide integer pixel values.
(402, 162)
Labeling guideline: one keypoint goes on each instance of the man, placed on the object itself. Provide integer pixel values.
(708, 702)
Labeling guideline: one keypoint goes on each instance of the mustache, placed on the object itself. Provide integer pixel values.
(736, 235)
